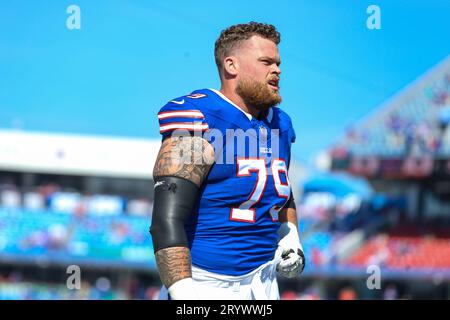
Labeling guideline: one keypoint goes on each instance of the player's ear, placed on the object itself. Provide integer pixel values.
(230, 65)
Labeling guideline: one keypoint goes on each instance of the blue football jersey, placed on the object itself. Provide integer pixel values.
(234, 227)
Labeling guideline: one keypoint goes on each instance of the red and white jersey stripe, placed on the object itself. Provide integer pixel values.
(181, 114)
(183, 125)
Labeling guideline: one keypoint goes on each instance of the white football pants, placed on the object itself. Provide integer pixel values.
(260, 284)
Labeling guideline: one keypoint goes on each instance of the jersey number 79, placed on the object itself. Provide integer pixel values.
(245, 212)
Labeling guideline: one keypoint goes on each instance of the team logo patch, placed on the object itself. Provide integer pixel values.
(196, 95)
(178, 102)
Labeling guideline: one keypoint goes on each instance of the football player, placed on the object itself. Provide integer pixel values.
(224, 220)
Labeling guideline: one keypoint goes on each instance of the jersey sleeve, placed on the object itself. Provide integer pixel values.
(292, 135)
(181, 116)
(290, 129)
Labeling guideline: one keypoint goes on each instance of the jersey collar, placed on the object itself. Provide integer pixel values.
(248, 115)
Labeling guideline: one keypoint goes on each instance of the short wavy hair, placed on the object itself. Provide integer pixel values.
(231, 37)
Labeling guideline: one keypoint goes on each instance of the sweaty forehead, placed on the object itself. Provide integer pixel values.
(258, 47)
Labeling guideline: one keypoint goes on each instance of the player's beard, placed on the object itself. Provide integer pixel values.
(257, 94)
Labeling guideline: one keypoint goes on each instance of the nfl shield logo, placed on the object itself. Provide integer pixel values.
(263, 133)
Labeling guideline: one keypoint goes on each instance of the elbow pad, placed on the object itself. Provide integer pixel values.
(174, 202)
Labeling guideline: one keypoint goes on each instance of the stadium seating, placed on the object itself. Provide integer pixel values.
(418, 125)
(403, 253)
(45, 291)
(54, 236)
(318, 247)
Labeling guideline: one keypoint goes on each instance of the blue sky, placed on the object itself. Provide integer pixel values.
(130, 57)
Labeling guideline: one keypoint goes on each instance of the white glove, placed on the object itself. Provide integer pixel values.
(183, 290)
(291, 251)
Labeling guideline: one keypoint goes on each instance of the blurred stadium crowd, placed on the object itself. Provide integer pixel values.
(416, 122)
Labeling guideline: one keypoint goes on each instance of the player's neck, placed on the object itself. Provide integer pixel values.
(237, 100)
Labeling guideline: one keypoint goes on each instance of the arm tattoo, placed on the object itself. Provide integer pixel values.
(174, 264)
(189, 158)
(288, 214)
(186, 157)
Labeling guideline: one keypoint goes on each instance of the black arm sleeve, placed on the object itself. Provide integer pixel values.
(175, 199)
(290, 203)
